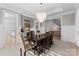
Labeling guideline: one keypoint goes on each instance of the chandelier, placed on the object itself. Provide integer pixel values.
(41, 16)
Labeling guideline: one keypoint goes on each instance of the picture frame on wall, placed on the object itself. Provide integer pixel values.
(26, 23)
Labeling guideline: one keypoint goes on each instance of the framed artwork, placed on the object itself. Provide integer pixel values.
(26, 24)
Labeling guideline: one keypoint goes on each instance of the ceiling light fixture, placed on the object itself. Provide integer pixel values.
(41, 16)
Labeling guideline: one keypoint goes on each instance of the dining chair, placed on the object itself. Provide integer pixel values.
(47, 40)
(51, 37)
(33, 39)
(39, 41)
(27, 46)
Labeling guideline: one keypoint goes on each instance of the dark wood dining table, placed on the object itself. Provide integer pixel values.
(39, 37)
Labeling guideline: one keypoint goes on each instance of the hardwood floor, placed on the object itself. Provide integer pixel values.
(13, 51)
(59, 48)
(64, 48)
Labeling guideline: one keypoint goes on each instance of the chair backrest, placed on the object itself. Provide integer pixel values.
(23, 40)
(33, 36)
(51, 34)
(47, 34)
(32, 33)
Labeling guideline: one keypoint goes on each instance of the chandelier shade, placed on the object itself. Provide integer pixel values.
(41, 16)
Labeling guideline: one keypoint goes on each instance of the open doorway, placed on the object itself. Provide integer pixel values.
(10, 26)
(57, 28)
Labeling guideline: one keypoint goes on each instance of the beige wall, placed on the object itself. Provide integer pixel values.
(68, 19)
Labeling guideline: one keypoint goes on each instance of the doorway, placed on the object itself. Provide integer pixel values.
(57, 28)
(10, 26)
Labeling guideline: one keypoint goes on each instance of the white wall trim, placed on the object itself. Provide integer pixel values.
(16, 11)
(59, 15)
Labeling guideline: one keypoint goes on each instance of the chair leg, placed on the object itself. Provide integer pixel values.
(34, 51)
(20, 51)
(52, 42)
(38, 53)
(25, 53)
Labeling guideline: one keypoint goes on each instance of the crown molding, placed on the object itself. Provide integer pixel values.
(57, 10)
(59, 15)
(20, 12)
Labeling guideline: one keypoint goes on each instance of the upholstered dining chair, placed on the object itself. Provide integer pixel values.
(51, 37)
(27, 46)
(47, 40)
(33, 40)
(40, 43)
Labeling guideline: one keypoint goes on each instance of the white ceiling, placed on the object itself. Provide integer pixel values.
(30, 9)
